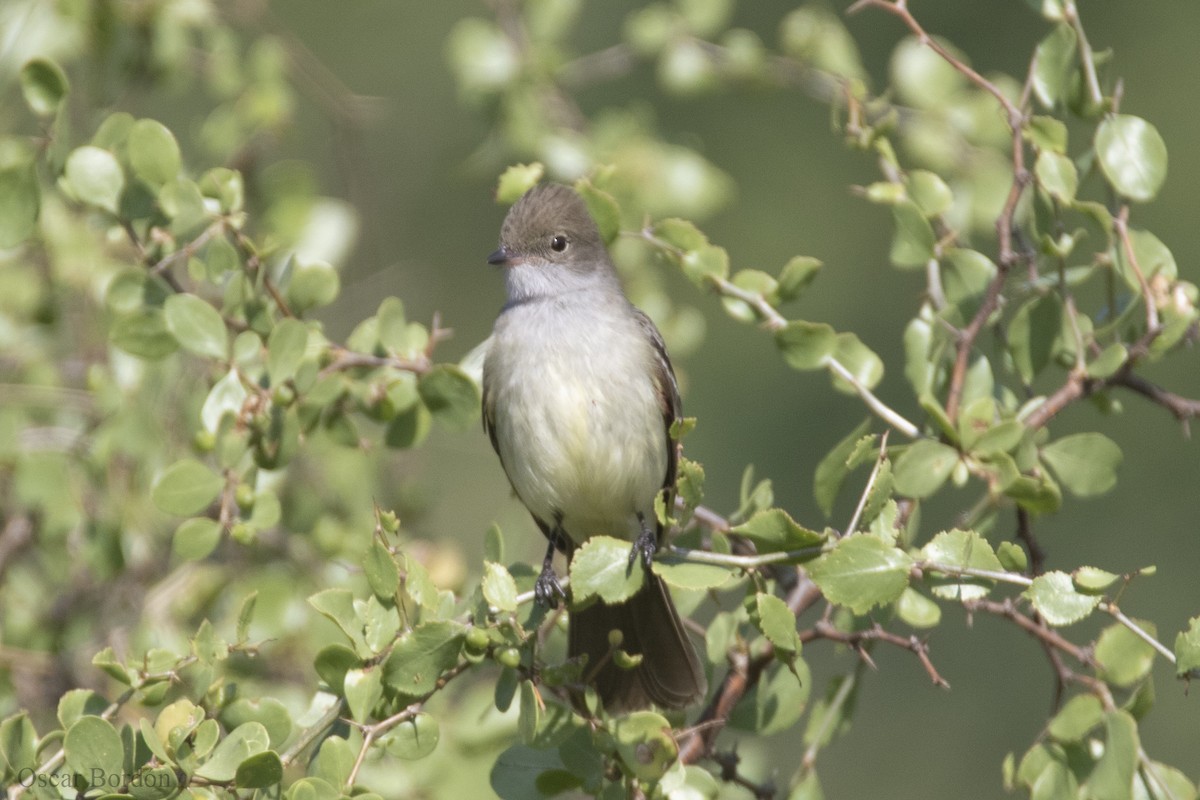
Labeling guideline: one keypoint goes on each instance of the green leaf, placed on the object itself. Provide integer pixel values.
(493, 544)
(312, 285)
(603, 208)
(1108, 362)
(1092, 580)
(517, 180)
(859, 360)
(923, 467)
(195, 538)
(1012, 556)
(418, 583)
(1153, 258)
(530, 713)
(1187, 648)
(334, 761)
(408, 428)
(861, 572)
(918, 610)
(333, 662)
(1086, 463)
(690, 483)
(645, 744)
(1055, 598)
(20, 204)
(1033, 334)
(94, 750)
(186, 488)
(207, 646)
(962, 550)
(929, 192)
(72, 706)
(414, 738)
(776, 702)
(285, 349)
(1124, 657)
(832, 470)
(1076, 718)
(451, 397)
(1055, 66)
(44, 86)
(94, 177)
(1112, 777)
(516, 772)
(806, 345)
(1047, 133)
(795, 276)
(196, 325)
(680, 233)
(144, 334)
(338, 606)
(259, 771)
(245, 616)
(601, 568)
(1132, 155)
(773, 531)
(244, 741)
(153, 152)
(381, 571)
(684, 574)
(363, 689)
(18, 741)
(703, 262)
(777, 622)
(421, 656)
(269, 712)
(1057, 175)
(499, 588)
(913, 241)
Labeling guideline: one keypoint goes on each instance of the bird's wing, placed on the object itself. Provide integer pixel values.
(669, 402)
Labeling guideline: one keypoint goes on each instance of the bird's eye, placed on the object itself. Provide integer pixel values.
(558, 243)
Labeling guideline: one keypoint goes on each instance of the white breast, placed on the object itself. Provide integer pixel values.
(576, 414)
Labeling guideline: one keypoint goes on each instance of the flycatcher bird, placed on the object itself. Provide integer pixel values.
(578, 400)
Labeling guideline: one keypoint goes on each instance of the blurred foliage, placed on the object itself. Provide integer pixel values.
(210, 587)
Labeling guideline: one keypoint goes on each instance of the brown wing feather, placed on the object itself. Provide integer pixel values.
(669, 403)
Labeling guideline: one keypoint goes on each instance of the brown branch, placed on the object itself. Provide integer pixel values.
(876, 633)
(1077, 385)
(728, 762)
(1036, 628)
(1037, 555)
(1183, 408)
(1015, 115)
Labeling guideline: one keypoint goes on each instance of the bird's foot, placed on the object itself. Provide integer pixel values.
(547, 591)
(645, 545)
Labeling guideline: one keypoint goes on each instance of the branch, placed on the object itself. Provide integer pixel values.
(876, 633)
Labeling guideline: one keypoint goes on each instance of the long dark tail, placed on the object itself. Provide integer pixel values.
(669, 676)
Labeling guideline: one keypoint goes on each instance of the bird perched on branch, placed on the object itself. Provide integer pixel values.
(578, 399)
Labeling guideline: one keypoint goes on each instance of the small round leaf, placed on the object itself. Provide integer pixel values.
(1132, 155)
(94, 177)
(186, 488)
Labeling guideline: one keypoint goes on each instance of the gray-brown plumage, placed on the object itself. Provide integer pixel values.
(578, 398)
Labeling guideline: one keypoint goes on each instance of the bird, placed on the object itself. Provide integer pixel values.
(578, 399)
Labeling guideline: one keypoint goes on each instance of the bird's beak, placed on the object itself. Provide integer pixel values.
(502, 257)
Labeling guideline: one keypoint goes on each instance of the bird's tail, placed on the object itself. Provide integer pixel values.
(669, 675)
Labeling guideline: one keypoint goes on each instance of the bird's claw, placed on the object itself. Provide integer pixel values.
(645, 546)
(547, 591)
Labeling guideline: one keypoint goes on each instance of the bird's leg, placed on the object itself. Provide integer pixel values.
(645, 544)
(546, 589)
